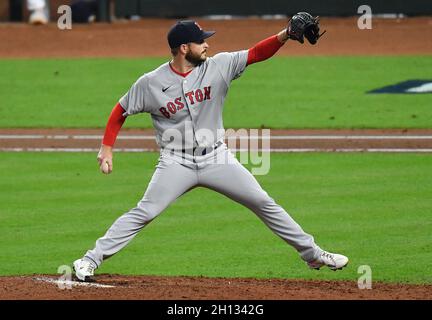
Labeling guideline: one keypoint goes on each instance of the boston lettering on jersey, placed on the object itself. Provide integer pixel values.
(197, 95)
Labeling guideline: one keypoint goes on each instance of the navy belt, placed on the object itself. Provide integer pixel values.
(201, 151)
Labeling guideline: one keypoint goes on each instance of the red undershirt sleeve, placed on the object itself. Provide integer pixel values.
(114, 125)
(264, 49)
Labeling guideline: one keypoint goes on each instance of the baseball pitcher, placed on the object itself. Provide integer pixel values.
(185, 99)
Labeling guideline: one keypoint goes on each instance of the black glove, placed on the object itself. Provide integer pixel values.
(301, 25)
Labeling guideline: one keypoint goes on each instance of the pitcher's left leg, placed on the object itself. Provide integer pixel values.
(237, 183)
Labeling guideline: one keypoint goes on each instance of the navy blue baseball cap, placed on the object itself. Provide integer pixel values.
(186, 31)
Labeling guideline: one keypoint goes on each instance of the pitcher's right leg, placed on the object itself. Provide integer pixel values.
(169, 181)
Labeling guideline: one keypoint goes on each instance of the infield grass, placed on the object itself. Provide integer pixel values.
(375, 208)
(282, 92)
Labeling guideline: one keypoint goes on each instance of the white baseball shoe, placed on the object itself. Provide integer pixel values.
(84, 269)
(332, 260)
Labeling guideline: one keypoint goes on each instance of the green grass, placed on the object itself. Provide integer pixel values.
(376, 208)
(283, 92)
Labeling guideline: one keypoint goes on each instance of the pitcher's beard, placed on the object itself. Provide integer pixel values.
(194, 59)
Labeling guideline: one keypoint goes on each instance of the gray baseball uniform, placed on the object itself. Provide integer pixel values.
(187, 115)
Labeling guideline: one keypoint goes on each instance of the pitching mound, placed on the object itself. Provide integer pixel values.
(48, 287)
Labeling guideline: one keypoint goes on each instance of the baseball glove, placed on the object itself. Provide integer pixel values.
(302, 25)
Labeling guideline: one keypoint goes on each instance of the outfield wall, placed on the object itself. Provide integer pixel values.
(187, 8)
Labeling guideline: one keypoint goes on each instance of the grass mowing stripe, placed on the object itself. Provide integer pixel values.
(294, 92)
(373, 207)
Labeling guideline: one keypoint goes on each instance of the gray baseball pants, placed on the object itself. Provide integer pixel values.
(177, 173)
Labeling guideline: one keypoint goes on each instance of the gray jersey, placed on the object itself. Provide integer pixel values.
(186, 111)
(192, 106)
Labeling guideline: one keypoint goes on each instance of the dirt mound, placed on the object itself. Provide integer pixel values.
(118, 287)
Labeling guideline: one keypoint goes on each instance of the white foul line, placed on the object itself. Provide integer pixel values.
(73, 283)
(384, 150)
(277, 150)
(74, 150)
(336, 137)
(274, 137)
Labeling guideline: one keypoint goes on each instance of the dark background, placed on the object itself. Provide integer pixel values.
(180, 8)
(193, 8)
